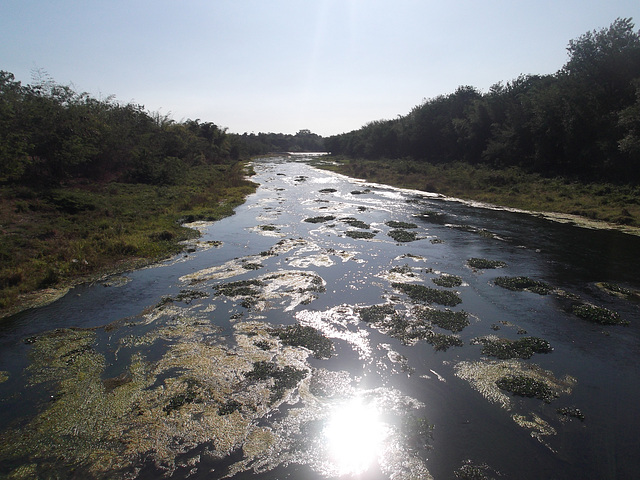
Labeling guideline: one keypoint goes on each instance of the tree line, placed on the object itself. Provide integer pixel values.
(263, 143)
(581, 122)
(49, 134)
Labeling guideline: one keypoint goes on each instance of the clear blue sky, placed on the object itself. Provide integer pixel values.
(284, 65)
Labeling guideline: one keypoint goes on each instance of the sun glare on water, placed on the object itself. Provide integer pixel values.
(354, 436)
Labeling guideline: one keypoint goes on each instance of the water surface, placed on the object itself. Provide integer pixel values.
(170, 357)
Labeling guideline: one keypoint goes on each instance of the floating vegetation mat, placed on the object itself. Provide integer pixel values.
(503, 348)
(498, 381)
(596, 314)
(201, 402)
(448, 281)
(618, 290)
(420, 293)
(358, 234)
(402, 225)
(483, 263)
(518, 284)
(320, 219)
(400, 235)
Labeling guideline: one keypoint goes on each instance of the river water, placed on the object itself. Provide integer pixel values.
(188, 369)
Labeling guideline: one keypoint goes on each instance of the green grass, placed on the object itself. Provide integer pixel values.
(61, 236)
(511, 187)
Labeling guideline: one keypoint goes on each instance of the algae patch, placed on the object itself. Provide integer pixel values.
(420, 293)
(518, 284)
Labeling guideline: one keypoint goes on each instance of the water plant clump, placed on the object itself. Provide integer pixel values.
(525, 386)
(185, 296)
(396, 224)
(239, 288)
(618, 290)
(284, 378)
(401, 269)
(375, 313)
(305, 336)
(600, 315)
(355, 223)
(403, 327)
(573, 412)
(357, 234)
(447, 319)
(504, 349)
(190, 395)
(518, 284)
(468, 471)
(421, 293)
(320, 219)
(484, 264)
(448, 281)
(400, 235)
(442, 342)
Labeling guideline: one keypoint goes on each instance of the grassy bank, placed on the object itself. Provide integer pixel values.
(510, 187)
(56, 237)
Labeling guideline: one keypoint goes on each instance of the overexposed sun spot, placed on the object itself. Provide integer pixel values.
(354, 436)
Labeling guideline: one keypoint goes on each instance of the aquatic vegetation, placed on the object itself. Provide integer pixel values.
(503, 348)
(525, 386)
(247, 265)
(448, 281)
(573, 412)
(483, 263)
(284, 378)
(421, 293)
(397, 224)
(441, 341)
(4, 376)
(537, 426)
(268, 228)
(469, 471)
(180, 399)
(400, 235)
(617, 290)
(240, 288)
(375, 313)
(185, 296)
(483, 375)
(357, 234)
(355, 223)
(447, 319)
(320, 219)
(403, 327)
(596, 314)
(524, 283)
(305, 336)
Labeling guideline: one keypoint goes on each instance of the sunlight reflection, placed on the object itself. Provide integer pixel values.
(354, 436)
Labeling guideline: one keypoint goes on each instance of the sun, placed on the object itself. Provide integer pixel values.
(354, 436)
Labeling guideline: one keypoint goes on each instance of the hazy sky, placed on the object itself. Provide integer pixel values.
(284, 65)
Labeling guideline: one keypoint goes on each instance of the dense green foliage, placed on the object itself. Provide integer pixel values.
(252, 144)
(90, 184)
(49, 134)
(583, 121)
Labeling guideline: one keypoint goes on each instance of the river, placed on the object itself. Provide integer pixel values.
(334, 328)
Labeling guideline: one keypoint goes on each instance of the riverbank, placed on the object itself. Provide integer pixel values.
(59, 237)
(590, 205)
